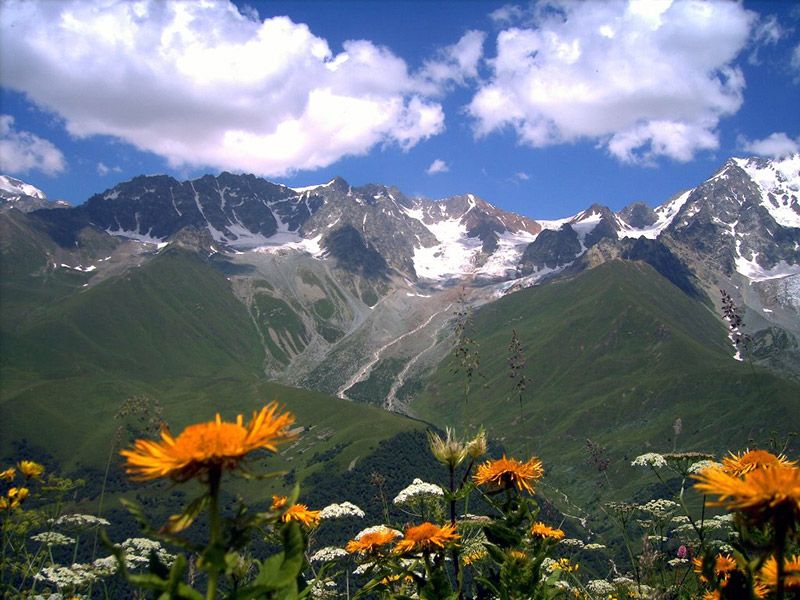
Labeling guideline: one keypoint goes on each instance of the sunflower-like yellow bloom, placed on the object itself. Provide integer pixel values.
(542, 530)
(372, 541)
(724, 564)
(563, 564)
(30, 469)
(712, 595)
(768, 575)
(278, 502)
(757, 493)
(300, 513)
(426, 537)
(505, 473)
(8, 474)
(199, 448)
(750, 460)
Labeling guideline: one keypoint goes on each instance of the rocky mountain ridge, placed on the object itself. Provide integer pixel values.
(354, 286)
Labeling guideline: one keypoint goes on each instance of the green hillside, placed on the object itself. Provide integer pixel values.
(615, 355)
(171, 331)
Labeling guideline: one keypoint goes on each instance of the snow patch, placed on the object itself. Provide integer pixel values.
(15, 186)
(308, 188)
(779, 182)
(454, 254)
(665, 214)
(755, 272)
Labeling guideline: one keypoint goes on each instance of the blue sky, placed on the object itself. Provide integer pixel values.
(541, 108)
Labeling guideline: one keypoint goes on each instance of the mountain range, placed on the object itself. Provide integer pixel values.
(163, 285)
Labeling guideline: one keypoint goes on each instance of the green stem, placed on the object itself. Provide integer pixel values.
(214, 476)
(779, 523)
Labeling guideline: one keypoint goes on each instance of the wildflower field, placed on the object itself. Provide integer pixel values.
(482, 529)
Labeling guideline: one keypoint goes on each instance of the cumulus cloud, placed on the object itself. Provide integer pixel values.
(203, 84)
(22, 152)
(776, 145)
(522, 176)
(437, 166)
(643, 79)
(455, 64)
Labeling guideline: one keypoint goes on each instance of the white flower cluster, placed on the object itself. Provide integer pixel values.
(651, 459)
(137, 551)
(660, 508)
(337, 511)
(677, 562)
(75, 576)
(701, 465)
(417, 488)
(53, 538)
(327, 554)
(80, 521)
(594, 546)
(376, 529)
(363, 568)
(600, 588)
(571, 543)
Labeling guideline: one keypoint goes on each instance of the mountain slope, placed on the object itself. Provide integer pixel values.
(615, 354)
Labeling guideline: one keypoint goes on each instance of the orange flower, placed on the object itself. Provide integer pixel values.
(372, 541)
(505, 473)
(300, 512)
(712, 595)
(200, 448)
(768, 575)
(278, 502)
(750, 460)
(8, 474)
(426, 537)
(757, 493)
(545, 531)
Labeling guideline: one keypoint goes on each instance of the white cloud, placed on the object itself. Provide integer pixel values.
(522, 176)
(202, 84)
(437, 166)
(776, 145)
(506, 14)
(22, 151)
(643, 79)
(456, 63)
(103, 169)
(795, 62)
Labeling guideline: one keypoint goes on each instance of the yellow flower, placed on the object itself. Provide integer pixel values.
(563, 564)
(723, 565)
(200, 448)
(426, 537)
(30, 469)
(300, 513)
(278, 502)
(8, 474)
(750, 460)
(545, 531)
(768, 575)
(712, 595)
(757, 493)
(372, 541)
(505, 473)
(475, 555)
(14, 497)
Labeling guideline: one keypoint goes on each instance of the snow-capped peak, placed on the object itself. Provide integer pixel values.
(308, 188)
(779, 182)
(15, 187)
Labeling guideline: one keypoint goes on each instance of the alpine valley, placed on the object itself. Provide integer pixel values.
(347, 303)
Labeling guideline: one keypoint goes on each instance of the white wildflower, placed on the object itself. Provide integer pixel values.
(594, 546)
(677, 562)
(562, 585)
(701, 465)
(53, 538)
(80, 521)
(651, 459)
(660, 508)
(416, 489)
(327, 554)
(362, 568)
(600, 587)
(680, 520)
(137, 551)
(337, 511)
(71, 577)
(571, 543)
(104, 567)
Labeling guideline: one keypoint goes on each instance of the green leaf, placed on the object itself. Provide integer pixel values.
(179, 522)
